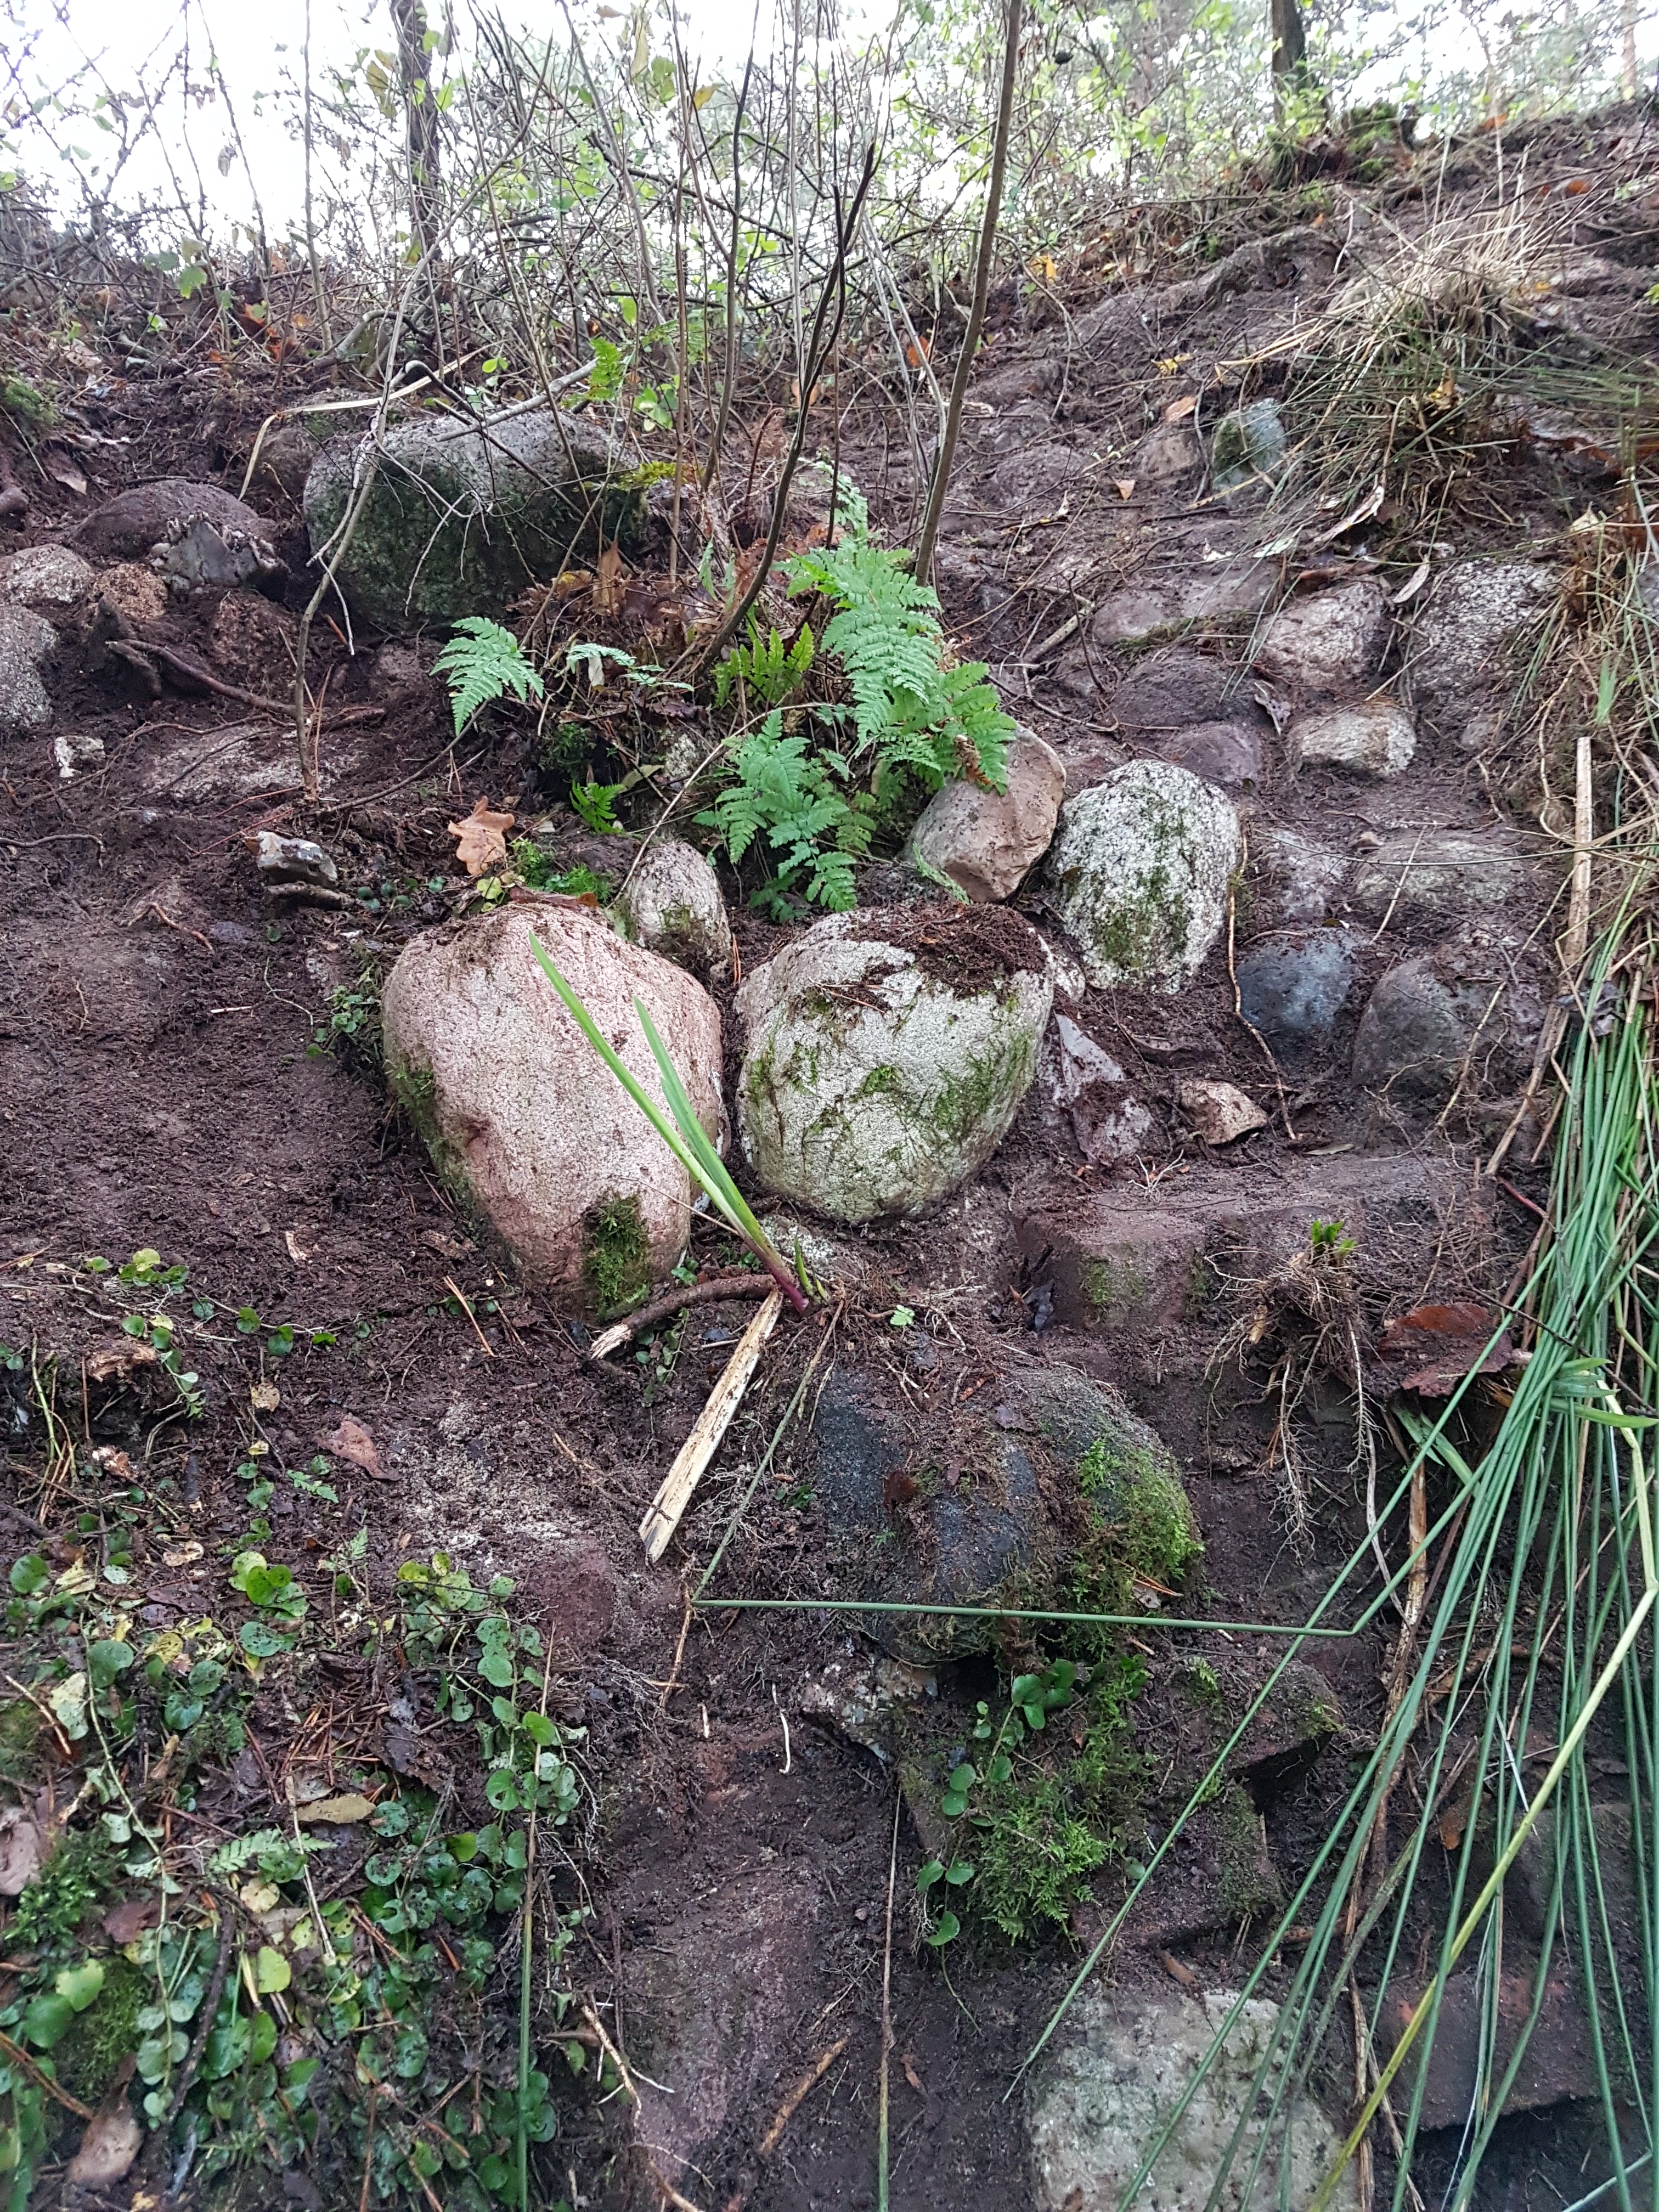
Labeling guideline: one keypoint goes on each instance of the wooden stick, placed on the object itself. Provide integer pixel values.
(786, 2112)
(663, 1514)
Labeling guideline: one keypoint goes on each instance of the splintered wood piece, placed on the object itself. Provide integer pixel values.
(662, 1515)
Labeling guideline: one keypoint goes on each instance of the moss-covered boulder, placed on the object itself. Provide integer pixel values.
(1043, 1491)
(461, 517)
(521, 1118)
(1140, 870)
(886, 1054)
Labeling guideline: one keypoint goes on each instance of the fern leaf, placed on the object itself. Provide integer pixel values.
(482, 663)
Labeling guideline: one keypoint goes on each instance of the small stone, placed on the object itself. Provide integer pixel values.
(75, 751)
(46, 576)
(1250, 443)
(985, 841)
(1168, 459)
(1467, 639)
(397, 669)
(26, 642)
(1084, 1084)
(1329, 638)
(1231, 753)
(1174, 687)
(1122, 2062)
(1375, 737)
(1232, 584)
(1140, 869)
(886, 1054)
(672, 904)
(291, 859)
(231, 932)
(1219, 1112)
(1293, 989)
(199, 554)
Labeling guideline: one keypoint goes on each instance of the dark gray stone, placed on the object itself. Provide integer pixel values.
(461, 518)
(1175, 688)
(1420, 1027)
(130, 525)
(1231, 753)
(1293, 989)
(1248, 443)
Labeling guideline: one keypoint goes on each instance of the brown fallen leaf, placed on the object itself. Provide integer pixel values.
(63, 470)
(910, 2074)
(119, 1363)
(1183, 1974)
(181, 1555)
(23, 1852)
(1179, 410)
(351, 1441)
(126, 1921)
(1439, 1345)
(1124, 487)
(264, 1397)
(479, 841)
(1219, 1112)
(337, 1812)
(608, 585)
(113, 2137)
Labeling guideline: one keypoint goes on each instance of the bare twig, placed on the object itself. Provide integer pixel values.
(675, 1301)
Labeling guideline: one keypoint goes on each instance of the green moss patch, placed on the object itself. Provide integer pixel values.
(615, 1257)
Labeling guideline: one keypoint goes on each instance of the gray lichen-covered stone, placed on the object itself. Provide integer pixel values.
(886, 1053)
(1327, 639)
(1304, 880)
(672, 904)
(1292, 988)
(461, 517)
(1122, 2061)
(1449, 872)
(985, 841)
(1250, 443)
(1140, 867)
(26, 642)
(1468, 637)
(46, 576)
(1374, 738)
(519, 1114)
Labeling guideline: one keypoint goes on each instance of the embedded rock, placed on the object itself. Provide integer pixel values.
(985, 840)
(1375, 737)
(27, 642)
(1219, 1112)
(1250, 443)
(1329, 638)
(46, 576)
(985, 1497)
(1467, 641)
(1304, 879)
(1236, 584)
(1425, 1027)
(1221, 752)
(1122, 2061)
(1140, 868)
(1082, 1083)
(672, 904)
(886, 1053)
(519, 1114)
(461, 518)
(197, 554)
(129, 527)
(1447, 872)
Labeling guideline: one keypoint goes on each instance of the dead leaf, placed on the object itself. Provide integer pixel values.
(337, 1812)
(1179, 410)
(608, 585)
(1183, 1974)
(181, 1555)
(405, 1751)
(293, 1251)
(119, 1363)
(910, 2074)
(126, 1921)
(23, 1852)
(1442, 1343)
(479, 843)
(113, 2137)
(452, 1247)
(63, 470)
(1278, 707)
(1219, 1112)
(1412, 585)
(1124, 487)
(352, 1441)
(1360, 513)
(264, 1397)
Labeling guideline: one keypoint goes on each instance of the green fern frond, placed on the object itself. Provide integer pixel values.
(483, 662)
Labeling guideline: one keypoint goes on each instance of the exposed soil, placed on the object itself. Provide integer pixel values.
(157, 1089)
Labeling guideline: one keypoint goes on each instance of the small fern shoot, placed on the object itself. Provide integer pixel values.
(482, 663)
(792, 797)
(773, 673)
